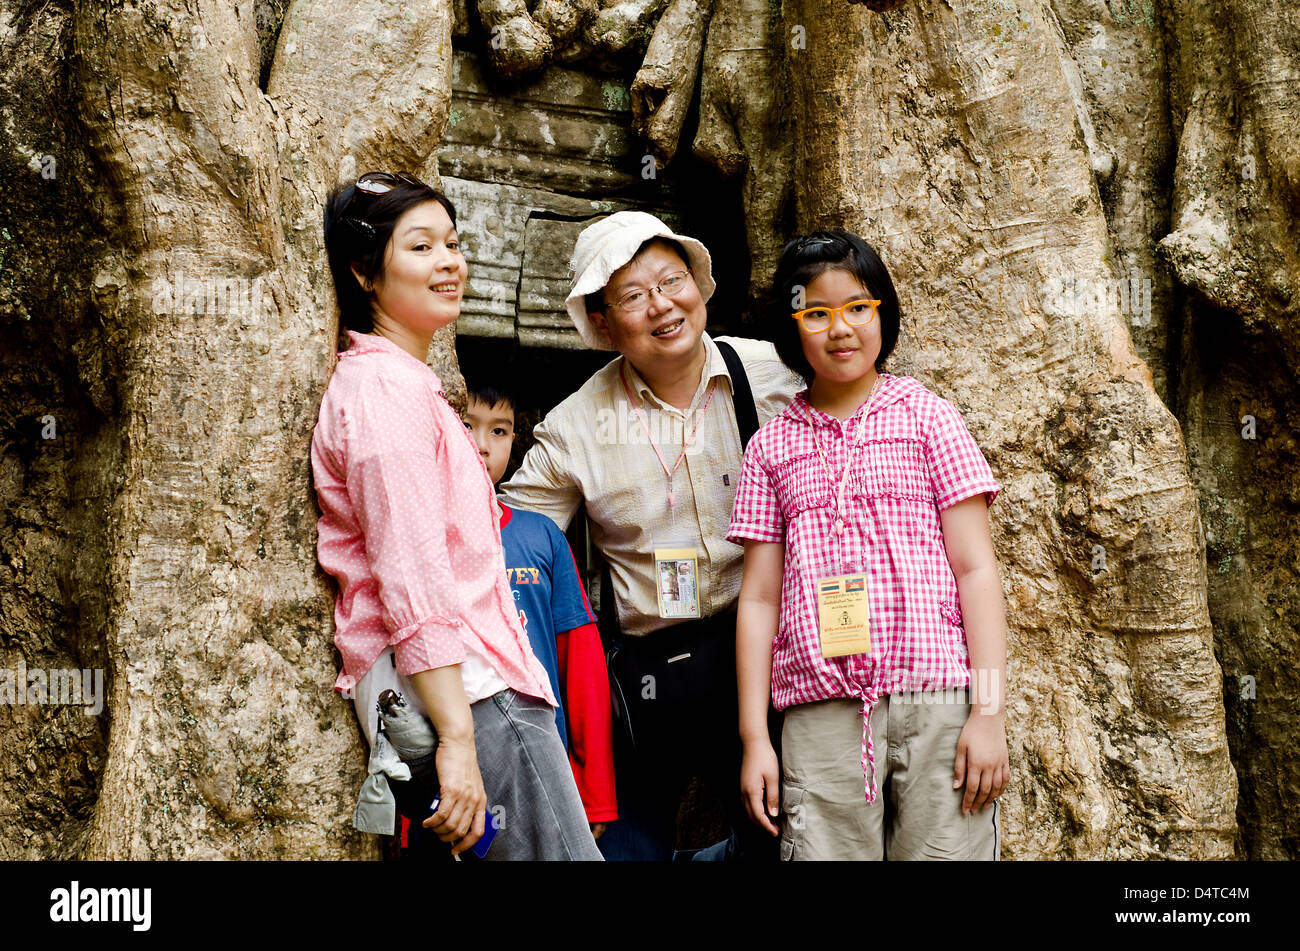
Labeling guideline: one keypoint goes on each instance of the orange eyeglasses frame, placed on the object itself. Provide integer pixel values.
(832, 311)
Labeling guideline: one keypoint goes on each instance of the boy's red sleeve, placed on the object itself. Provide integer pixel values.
(585, 682)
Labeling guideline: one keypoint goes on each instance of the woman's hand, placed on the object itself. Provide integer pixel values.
(459, 818)
(597, 829)
(982, 763)
(760, 778)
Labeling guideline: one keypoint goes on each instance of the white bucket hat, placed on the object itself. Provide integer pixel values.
(610, 243)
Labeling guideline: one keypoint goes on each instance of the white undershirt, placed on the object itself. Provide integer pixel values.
(479, 677)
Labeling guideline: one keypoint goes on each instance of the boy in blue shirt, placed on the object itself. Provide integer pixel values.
(554, 612)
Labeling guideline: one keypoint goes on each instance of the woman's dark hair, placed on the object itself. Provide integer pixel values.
(812, 254)
(358, 226)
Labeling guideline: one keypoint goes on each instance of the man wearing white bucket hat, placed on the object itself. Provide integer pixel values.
(652, 443)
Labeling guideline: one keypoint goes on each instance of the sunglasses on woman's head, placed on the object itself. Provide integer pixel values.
(376, 183)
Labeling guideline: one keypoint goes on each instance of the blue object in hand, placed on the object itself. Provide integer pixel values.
(484, 843)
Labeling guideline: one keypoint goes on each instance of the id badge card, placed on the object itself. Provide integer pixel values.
(842, 621)
(677, 580)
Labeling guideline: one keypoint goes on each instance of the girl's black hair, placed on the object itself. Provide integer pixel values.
(358, 227)
(812, 254)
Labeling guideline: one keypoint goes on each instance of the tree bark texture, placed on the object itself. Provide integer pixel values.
(745, 125)
(1234, 250)
(58, 379)
(665, 83)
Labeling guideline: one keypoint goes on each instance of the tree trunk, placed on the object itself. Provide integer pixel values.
(1235, 252)
(745, 124)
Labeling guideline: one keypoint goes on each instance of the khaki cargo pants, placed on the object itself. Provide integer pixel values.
(917, 814)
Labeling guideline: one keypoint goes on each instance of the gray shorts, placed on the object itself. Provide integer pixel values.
(916, 815)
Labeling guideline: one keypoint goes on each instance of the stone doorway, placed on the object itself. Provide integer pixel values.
(528, 167)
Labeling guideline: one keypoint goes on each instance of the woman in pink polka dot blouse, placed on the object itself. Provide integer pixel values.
(409, 529)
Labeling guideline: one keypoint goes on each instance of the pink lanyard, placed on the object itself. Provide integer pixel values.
(645, 424)
(848, 462)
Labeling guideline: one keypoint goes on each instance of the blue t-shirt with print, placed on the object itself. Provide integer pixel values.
(548, 595)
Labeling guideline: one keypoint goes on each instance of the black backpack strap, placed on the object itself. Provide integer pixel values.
(607, 617)
(742, 397)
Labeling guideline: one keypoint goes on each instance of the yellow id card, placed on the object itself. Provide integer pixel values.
(842, 615)
(677, 581)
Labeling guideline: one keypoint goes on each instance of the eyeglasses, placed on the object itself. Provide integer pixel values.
(375, 183)
(856, 313)
(638, 299)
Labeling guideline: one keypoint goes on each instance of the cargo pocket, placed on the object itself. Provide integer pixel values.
(793, 821)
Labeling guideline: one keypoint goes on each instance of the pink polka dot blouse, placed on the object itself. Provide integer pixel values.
(409, 528)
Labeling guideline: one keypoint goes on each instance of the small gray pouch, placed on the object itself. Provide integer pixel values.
(376, 810)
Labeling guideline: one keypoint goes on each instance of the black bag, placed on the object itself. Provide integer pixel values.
(674, 684)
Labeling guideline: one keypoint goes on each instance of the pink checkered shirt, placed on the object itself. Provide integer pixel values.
(409, 526)
(917, 459)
